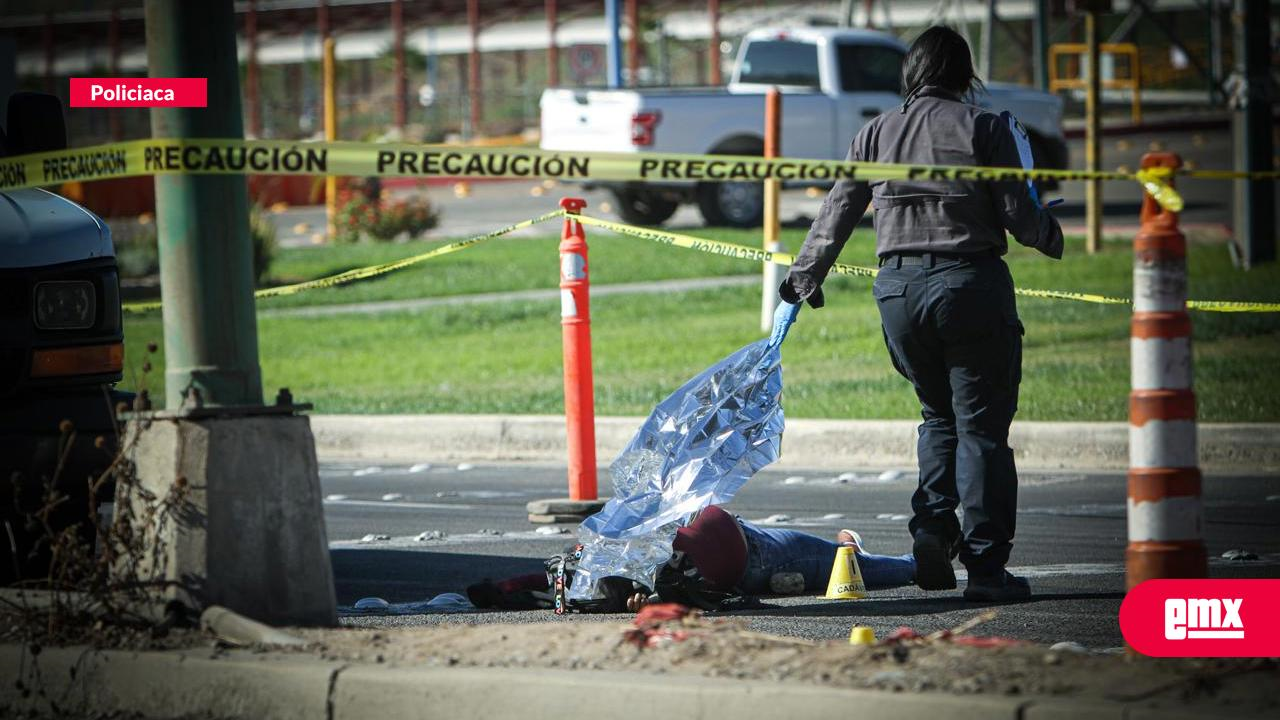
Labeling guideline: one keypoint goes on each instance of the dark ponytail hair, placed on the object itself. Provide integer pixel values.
(940, 57)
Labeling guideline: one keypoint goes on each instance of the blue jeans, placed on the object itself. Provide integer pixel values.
(773, 550)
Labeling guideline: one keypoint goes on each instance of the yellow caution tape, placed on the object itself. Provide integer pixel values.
(743, 252)
(371, 271)
(241, 157)
(1163, 192)
(1231, 174)
(690, 242)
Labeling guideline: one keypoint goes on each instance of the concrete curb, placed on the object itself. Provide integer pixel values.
(808, 444)
(270, 685)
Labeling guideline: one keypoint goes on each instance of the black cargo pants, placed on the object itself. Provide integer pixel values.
(951, 326)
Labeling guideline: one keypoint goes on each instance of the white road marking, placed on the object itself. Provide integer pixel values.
(408, 505)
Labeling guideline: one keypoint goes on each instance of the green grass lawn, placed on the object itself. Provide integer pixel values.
(506, 358)
(506, 263)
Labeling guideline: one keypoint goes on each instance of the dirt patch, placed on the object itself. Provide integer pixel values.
(725, 648)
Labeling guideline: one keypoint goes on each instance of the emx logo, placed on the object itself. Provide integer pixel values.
(1203, 618)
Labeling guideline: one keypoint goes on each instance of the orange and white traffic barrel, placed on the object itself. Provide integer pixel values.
(1166, 515)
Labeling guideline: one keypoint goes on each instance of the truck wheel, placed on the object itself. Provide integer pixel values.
(641, 207)
(735, 204)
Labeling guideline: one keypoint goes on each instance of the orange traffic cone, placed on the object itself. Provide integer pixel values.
(846, 579)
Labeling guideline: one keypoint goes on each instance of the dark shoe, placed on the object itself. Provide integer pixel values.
(933, 563)
(1004, 587)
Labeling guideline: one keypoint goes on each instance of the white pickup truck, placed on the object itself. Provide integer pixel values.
(833, 81)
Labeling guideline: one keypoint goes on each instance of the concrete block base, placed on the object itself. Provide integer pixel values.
(249, 533)
(562, 510)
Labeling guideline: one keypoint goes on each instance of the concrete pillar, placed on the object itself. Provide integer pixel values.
(206, 258)
(248, 532)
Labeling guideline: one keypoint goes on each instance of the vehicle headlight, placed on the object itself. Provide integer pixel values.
(66, 305)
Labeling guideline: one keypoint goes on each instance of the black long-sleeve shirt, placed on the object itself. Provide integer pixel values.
(933, 127)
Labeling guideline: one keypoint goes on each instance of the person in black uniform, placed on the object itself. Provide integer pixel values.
(946, 305)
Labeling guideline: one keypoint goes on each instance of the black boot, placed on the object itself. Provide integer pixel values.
(1002, 587)
(933, 562)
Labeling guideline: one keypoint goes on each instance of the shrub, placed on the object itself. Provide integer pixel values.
(263, 234)
(138, 256)
(382, 220)
(135, 243)
(357, 215)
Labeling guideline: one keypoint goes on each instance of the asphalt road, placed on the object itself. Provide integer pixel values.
(1070, 543)
(493, 204)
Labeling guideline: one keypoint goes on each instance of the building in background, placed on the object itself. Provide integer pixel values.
(405, 66)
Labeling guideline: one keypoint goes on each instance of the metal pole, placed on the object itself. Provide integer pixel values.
(1165, 511)
(1215, 51)
(113, 66)
(713, 10)
(988, 40)
(46, 38)
(1093, 139)
(613, 51)
(633, 43)
(1040, 26)
(1255, 219)
(772, 272)
(473, 65)
(322, 30)
(251, 69)
(553, 50)
(330, 134)
(399, 83)
(866, 8)
(206, 259)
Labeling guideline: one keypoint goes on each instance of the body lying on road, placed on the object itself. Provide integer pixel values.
(717, 558)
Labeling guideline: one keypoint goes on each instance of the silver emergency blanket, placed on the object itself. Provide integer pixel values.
(697, 448)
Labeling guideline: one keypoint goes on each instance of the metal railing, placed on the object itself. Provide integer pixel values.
(1074, 78)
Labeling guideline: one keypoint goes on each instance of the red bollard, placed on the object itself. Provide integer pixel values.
(575, 319)
(1164, 509)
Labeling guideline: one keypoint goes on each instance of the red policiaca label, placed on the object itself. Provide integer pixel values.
(139, 92)
(1203, 618)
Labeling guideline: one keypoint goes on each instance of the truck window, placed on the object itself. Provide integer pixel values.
(780, 62)
(870, 68)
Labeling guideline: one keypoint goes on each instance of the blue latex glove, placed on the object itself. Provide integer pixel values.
(783, 318)
(1023, 142)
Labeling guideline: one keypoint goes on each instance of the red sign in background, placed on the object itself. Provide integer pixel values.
(139, 92)
(1157, 610)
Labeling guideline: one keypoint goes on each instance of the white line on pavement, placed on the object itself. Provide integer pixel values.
(381, 504)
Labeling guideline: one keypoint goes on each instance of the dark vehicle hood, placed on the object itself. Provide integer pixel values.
(39, 228)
